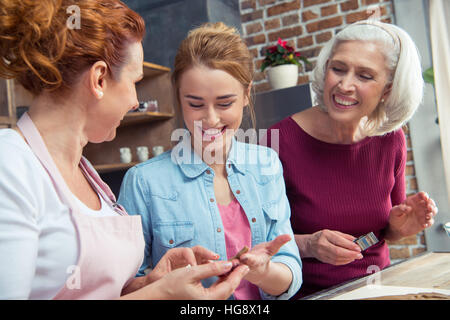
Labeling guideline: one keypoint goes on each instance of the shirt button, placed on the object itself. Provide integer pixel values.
(208, 171)
(219, 230)
(253, 219)
(170, 241)
(238, 191)
(211, 200)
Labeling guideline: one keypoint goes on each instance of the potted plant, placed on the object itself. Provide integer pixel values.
(282, 63)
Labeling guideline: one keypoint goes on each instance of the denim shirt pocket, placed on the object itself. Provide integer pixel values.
(172, 195)
(270, 210)
(172, 234)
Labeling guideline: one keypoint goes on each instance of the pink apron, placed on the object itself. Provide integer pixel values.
(111, 249)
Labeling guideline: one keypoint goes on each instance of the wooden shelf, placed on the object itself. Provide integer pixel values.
(7, 120)
(144, 117)
(104, 168)
(151, 69)
(7, 104)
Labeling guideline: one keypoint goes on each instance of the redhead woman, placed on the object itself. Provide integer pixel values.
(344, 158)
(62, 235)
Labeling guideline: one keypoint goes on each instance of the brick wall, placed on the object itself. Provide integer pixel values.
(307, 25)
(413, 245)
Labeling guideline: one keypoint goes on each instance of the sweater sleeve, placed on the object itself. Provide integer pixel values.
(398, 194)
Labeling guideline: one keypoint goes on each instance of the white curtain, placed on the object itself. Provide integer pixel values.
(440, 46)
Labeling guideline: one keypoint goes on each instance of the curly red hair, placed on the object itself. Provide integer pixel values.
(43, 53)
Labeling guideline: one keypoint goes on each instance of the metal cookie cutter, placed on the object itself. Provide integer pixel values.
(366, 241)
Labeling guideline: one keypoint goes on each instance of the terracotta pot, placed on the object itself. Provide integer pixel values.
(283, 76)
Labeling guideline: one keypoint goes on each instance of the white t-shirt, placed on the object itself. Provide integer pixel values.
(38, 242)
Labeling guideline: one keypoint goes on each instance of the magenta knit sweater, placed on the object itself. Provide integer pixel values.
(346, 187)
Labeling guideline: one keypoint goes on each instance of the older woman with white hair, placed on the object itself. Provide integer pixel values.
(344, 158)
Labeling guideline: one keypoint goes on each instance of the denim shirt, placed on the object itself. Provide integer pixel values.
(174, 194)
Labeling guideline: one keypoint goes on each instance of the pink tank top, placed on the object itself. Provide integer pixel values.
(237, 235)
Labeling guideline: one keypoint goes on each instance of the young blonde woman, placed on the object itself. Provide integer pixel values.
(212, 190)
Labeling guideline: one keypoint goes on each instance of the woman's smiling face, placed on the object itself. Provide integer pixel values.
(212, 102)
(356, 80)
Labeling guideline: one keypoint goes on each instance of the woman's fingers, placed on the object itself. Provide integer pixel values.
(432, 213)
(216, 268)
(433, 209)
(203, 255)
(180, 257)
(400, 210)
(176, 258)
(336, 248)
(261, 253)
(424, 208)
(274, 246)
(429, 223)
(345, 235)
(342, 256)
(344, 240)
(186, 257)
(225, 286)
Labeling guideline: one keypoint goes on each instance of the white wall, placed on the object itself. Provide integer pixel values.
(412, 15)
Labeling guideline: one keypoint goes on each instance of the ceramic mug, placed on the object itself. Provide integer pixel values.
(142, 153)
(157, 150)
(142, 106)
(447, 228)
(125, 155)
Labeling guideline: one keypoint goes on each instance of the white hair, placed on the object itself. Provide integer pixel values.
(402, 60)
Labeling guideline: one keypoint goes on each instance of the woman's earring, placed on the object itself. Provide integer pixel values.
(100, 94)
(382, 100)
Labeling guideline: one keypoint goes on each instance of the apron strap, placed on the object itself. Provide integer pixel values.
(37, 145)
(101, 187)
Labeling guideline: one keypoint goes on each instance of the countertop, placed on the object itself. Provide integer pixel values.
(427, 272)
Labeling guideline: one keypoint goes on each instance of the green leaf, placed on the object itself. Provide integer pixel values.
(279, 60)
(428, 76)
(280, 48)
(264, 65)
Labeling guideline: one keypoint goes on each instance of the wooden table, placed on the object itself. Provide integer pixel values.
(430, 271)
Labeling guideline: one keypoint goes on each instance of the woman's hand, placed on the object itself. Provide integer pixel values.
(330, 246)
(185, 283)
(412, 216)
(180, 257)
(258, 258)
